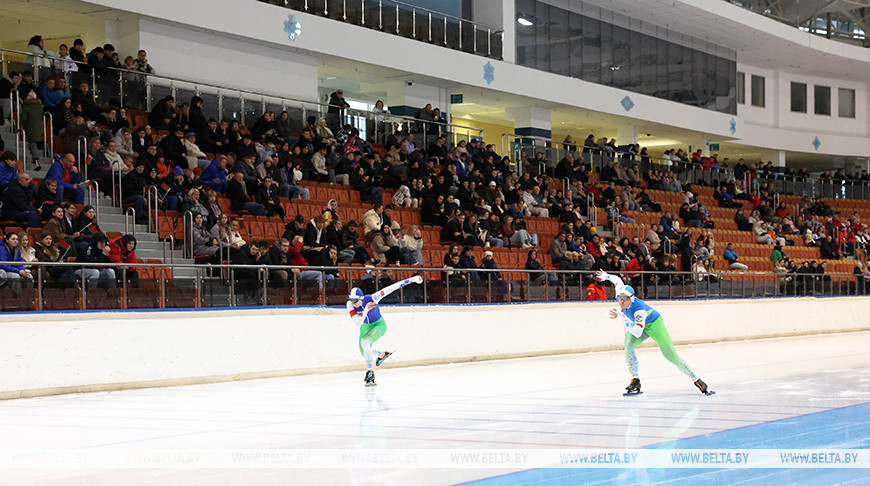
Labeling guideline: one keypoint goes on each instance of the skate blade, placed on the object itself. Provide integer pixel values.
(627, 394)
(380, 361)
(371, 384)
(709, 392)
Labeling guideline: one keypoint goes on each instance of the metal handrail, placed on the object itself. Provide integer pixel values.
(95, 200)
(116, 186)
(187, 221)
(151, 195)
(648, 284)
(81, 153)
(171, 240)
(48, 148)
(127, 221)
(414, 9)
(197, 84)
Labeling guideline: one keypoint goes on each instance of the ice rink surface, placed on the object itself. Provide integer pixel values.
(802, 392)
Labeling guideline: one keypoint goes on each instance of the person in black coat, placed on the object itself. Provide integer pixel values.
(173, 148)
(16, 202)
(267, 195)
(162, 115)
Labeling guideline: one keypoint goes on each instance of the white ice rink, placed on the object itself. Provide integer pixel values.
(572, 401)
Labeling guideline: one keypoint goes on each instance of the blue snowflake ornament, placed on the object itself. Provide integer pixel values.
(292, 27)
(817, 143)
(627, 103)
(733, 127)
(488, 72)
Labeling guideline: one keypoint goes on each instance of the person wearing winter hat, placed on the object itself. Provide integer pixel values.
(195, 157)
(642, 322)
(366, 314)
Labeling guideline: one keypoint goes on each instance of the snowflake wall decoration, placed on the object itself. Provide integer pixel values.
(292, 27)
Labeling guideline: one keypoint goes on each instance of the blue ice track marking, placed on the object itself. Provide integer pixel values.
(841, 428)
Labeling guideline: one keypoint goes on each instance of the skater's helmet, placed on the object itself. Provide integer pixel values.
(627, 290)
(355, 294)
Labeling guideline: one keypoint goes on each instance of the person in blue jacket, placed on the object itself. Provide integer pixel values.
(365, 313)
(16, 276)
(643, 322)
(215, 175)
(69, 181)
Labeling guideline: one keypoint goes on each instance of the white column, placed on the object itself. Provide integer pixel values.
(531, 120)
(626, 134)
(775, 156)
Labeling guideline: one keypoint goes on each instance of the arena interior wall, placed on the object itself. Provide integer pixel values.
(45, 354)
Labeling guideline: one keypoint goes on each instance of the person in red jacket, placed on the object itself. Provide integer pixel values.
(123, 250)
(596, 291)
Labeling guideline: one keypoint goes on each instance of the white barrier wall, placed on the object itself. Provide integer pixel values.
(46, 354)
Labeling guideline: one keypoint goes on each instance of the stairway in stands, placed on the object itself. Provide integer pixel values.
(111, 219)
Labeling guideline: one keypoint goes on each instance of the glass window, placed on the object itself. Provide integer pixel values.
(636, 65)
(699, 78)
(576, 45)
(606, 51)
(798, 97)
(846, 102)
(591, 41)
(591, 47)
(560, 62)
(757, 91)
(542, 39)
(822, 100)
(621, 63)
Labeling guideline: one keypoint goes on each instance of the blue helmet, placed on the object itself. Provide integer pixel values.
(627, 290)
(355, 294)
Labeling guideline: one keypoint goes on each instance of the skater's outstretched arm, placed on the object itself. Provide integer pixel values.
(616, 281)
(380, 294)
(635, 326)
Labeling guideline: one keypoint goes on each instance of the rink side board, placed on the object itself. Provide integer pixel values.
(75, 352)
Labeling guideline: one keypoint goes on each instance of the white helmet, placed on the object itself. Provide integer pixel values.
(355, 294)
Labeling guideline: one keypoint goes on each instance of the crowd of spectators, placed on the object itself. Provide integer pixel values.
(469, 190)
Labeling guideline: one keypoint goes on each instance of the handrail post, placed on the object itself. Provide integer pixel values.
(162, 288)
(39, 302)
(232, 286)
(96, 197)
(48, 148)
(127, 221)
(81, 152)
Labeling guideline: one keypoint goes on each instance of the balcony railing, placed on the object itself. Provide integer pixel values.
(141, 91)
(409, 21)
(253, 285)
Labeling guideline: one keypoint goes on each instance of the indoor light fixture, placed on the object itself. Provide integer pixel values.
(524, 21)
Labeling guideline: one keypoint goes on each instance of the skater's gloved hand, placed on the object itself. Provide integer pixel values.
(614, 313)
(417, 279)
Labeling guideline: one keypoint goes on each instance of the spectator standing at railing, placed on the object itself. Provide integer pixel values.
(336, 111)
